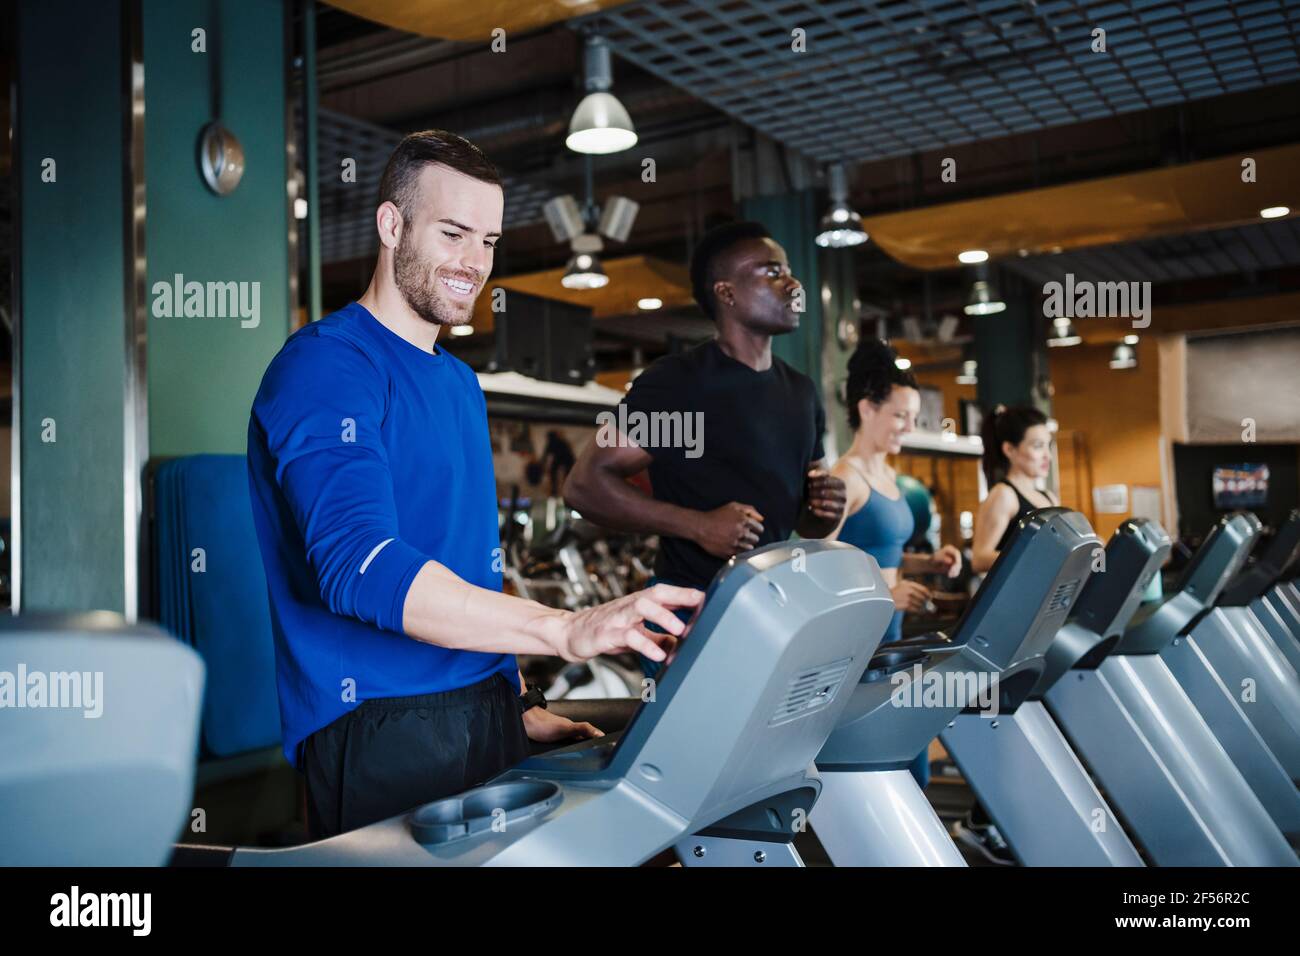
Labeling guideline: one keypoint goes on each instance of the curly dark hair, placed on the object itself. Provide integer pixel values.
(1005, 424)
(873, 374)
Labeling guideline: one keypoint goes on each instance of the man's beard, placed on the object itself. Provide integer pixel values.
(419, 287)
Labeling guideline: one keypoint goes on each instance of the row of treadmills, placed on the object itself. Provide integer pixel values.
(1124, 733)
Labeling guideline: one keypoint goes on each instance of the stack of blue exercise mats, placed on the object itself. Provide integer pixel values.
(212, 594)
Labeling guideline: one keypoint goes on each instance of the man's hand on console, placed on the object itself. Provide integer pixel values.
(619, 625)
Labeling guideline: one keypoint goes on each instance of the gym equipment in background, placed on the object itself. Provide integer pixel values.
(871, 811)
(1029, 781)
(1187, 794)
(1229, 666)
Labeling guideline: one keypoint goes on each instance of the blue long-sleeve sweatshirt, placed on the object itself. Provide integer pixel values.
(367, 457)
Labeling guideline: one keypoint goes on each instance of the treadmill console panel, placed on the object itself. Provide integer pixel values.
(1133, 556)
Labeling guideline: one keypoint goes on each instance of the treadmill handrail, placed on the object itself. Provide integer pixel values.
(1215, 562)
(1134, 555)
(1280, 553)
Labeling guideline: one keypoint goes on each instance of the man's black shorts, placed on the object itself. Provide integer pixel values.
(393, 754)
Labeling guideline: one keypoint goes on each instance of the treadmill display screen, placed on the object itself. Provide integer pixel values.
(1240, 486)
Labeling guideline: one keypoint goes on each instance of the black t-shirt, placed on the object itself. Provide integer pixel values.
(724, 432)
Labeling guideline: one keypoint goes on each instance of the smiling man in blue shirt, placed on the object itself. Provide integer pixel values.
(373, 494)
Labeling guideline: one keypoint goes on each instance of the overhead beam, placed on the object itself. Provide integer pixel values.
(1176, 199)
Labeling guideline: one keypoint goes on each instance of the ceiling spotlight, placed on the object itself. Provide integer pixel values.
(617, 217)
(1130, 340)
(841, 227)
(1275, 212)
(1063, 334)
(600, 124)
(584, 271)
(968, 374)
(564, 217)
(1123, 357)
(459, 330)
(649, 304)
(984, 299)
(971, 256)
(902, 364)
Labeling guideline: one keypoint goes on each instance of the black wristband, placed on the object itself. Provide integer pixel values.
(533, 697)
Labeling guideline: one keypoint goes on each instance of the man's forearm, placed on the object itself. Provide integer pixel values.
(612, 503)
(445, 610)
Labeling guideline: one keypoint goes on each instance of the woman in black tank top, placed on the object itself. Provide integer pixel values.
(1024, 507)
(1017, 455)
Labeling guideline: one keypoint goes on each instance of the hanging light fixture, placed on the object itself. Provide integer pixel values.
(841, 227)
(1063, 334)
(584, 271)
(600, 124)
(984, 299)
(582, 227)
(1124, 356)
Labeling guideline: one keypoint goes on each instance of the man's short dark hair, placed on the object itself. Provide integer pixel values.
(401, 180)
(708, 254)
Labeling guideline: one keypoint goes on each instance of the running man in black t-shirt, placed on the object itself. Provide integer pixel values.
(731, 435)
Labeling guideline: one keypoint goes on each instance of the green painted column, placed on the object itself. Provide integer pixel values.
(791, 220)
(204, 369)
(310, 125)
(840, 305)
(72, 314)
(90, 332)
(1006, 345)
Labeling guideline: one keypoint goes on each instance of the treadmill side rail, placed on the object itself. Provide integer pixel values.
(1217, 706)
(1163, 770)
(1275, 617)
(1036, 790)
(880, 819)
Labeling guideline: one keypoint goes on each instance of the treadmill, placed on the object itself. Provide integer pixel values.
(1022, 769)
(717, 764)
(1230, 654)
(871, 811)
(107, 779)
(1266, 588)
(1192, 791)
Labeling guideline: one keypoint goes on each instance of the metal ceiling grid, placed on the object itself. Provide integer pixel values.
(348, 207)
(1250, 248)
(883, 78)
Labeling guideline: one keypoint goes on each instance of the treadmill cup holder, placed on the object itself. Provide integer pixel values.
(454, 818)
